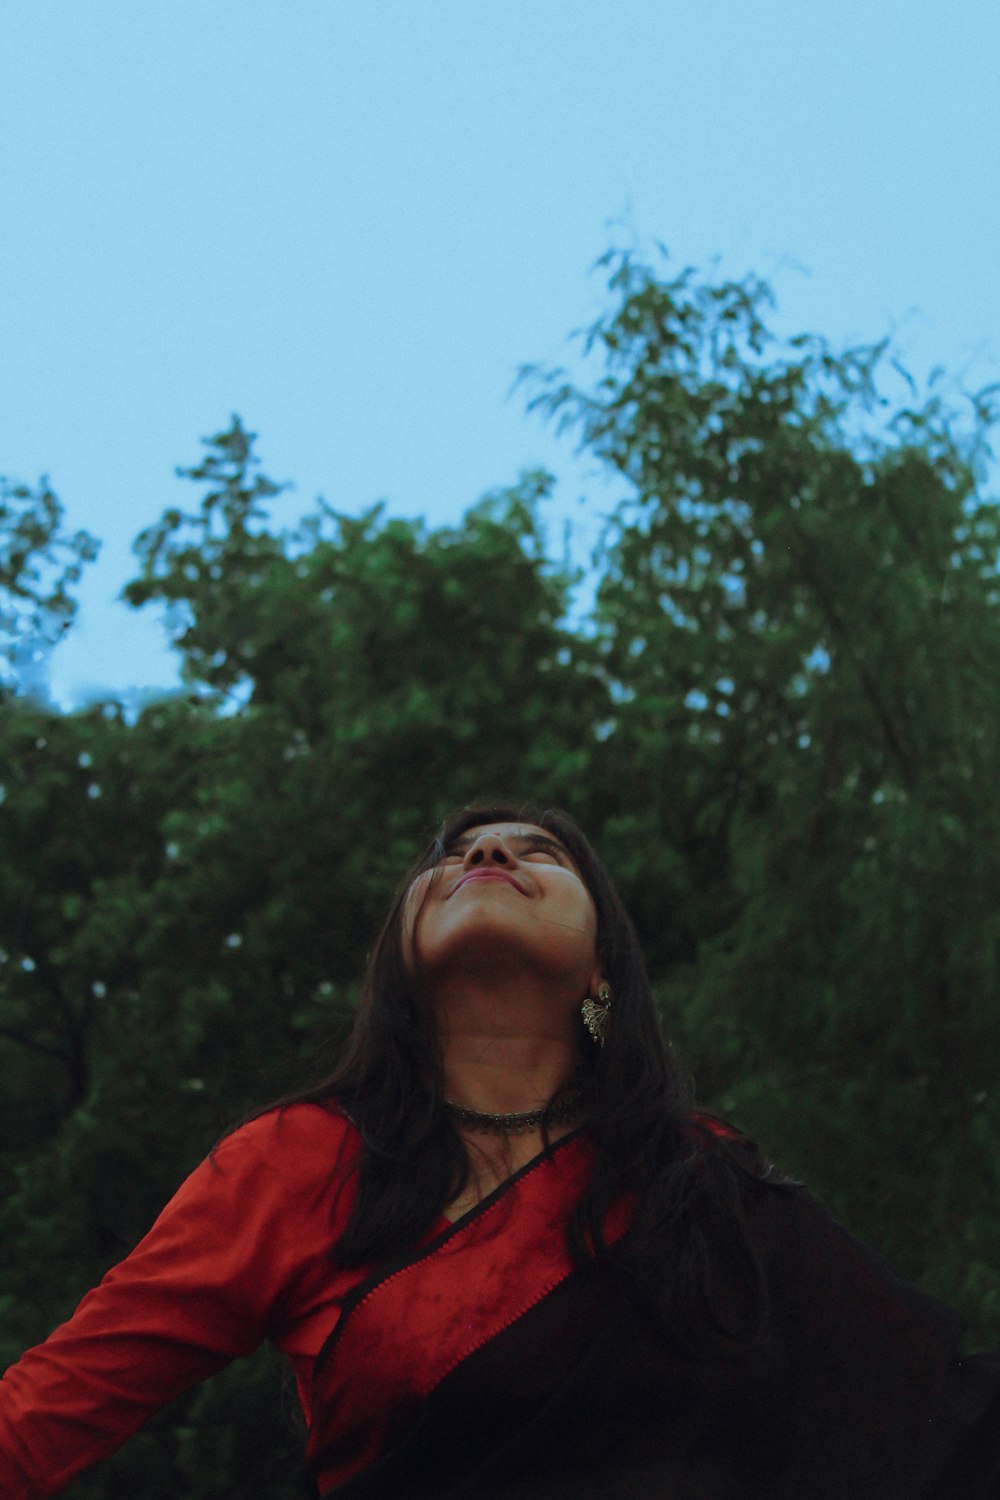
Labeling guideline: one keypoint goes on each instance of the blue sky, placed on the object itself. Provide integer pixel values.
(352, 222)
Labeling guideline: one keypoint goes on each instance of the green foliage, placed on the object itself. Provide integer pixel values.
(799, 616)
(777, 723)
(38, 566)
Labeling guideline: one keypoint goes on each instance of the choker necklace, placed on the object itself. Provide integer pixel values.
(567, 1107)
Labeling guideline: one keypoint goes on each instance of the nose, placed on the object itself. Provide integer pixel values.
(488, 848)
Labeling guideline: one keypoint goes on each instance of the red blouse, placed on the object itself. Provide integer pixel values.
(239, 1254)
(858, 1389)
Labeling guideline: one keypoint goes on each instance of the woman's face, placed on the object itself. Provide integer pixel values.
(503, 893)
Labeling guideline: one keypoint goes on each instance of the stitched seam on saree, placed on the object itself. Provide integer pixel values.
(418, 1322)
(383, 1273)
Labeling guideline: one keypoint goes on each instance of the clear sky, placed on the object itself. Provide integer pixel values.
(351, 222)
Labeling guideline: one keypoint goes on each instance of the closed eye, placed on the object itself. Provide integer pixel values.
(535, 845)
(525, 846)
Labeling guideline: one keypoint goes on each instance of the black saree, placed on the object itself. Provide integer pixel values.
(486, 1367)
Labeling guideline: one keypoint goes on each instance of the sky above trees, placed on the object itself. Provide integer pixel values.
(352, 224)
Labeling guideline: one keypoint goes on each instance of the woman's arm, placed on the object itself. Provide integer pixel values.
(200, 1289)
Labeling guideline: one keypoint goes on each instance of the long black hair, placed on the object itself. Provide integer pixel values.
(680, 1165)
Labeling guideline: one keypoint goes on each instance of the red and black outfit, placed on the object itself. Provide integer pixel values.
(483, 1366)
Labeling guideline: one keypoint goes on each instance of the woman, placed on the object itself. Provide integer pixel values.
(505, 1256)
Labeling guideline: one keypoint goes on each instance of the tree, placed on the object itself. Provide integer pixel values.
(777, 723)
(39, 563)
(799, 614)
(202, 883)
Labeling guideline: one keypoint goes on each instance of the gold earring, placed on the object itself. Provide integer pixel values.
(596, 1013)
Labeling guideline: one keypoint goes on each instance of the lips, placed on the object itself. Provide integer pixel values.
(489, 875)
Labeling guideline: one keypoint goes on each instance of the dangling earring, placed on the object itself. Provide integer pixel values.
(596, 1012)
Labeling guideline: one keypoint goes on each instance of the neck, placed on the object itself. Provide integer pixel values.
(506, 1048)
(498, 1074)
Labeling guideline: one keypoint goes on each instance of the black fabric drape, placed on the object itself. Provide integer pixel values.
(856, 1391)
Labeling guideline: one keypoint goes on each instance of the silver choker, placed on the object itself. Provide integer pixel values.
(558, 1112)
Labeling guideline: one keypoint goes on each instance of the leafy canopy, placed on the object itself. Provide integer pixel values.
(777, 722)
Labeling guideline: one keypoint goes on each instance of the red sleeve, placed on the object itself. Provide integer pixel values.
(202, 1287)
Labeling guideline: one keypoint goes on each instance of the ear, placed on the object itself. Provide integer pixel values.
(596, 979)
